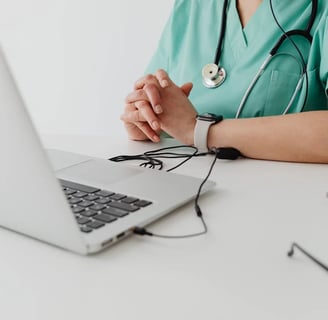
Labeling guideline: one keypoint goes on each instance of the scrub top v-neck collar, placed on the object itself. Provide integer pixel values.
(239, 38)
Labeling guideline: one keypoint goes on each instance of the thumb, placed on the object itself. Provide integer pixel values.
(186, 88)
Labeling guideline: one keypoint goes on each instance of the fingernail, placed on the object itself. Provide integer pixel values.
(156, 138)
(158, 109)
(155, 125)
(164, 83)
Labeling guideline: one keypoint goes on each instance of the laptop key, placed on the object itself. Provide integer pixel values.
(118, 196)
(83, 220)
(103, 200)
(85, 204)
(104, 218)
(86, 229)
(68, 192)
(74, 200)
(78, 186)
(130, 199)
(116, 212)
(97, 207)
(80, 194)
(142, 203)
(123, 206)
(77, 209)
(91, 197)
(104, 193)
(95, 225)
(88, 213)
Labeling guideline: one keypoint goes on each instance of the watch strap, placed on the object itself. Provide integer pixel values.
(200, 134)
(203, 123)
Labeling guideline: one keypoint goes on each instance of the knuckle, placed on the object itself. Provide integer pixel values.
(140, 93)
(142, 105)
(131, 116)
(149, 77)
(142, 125)
(150, 87)
(137, 116)
(128, 98)
(129, 108)
(161, 73)
(125, 118)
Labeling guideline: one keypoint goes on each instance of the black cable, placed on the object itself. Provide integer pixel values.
(310, 256)
(166, 155)
(184, 161)
(142, 231)
(287, 35)
(152, 160)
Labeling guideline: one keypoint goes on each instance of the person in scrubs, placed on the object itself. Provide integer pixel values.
(283, 117)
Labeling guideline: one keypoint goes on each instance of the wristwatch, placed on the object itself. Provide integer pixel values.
(203, 123)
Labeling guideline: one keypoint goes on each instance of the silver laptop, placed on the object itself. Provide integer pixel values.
(72, 201)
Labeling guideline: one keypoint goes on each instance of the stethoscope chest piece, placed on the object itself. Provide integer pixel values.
(213, 75)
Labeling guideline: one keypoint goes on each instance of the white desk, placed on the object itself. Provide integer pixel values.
(239, 270)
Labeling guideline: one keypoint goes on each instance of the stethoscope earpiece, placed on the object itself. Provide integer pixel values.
(213, 75)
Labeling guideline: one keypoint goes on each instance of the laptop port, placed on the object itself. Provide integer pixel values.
(120, 235)
(106, 243)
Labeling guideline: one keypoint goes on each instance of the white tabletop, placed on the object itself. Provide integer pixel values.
(239, 270)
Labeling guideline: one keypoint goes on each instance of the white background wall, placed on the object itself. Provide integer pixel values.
(75, 60)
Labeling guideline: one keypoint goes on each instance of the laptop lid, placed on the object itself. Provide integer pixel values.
(32, 202)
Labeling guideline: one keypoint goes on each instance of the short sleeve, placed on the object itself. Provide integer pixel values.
(160, 59)
(324, 56)
(171, 37)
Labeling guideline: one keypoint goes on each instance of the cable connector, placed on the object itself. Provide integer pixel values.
(227, 153)
(198, 210)
(141, 231)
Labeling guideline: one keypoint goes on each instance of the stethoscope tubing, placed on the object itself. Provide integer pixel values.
(222, 32)
(252, 85)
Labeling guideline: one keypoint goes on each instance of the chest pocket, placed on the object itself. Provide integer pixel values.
(280, 91)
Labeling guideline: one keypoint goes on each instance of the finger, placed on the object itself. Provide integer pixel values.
(140, 131)
(129, 118)
(147, 114)
(150, 93)
(154, 97)
(136, 95)
(147, 79)
(163, 78)
(186, 88)
(129, 108)
(141, 111)
(147, 130)
(134, 133)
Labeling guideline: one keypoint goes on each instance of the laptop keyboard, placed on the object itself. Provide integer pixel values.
(94, 208)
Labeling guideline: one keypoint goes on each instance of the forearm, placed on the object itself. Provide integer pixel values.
(299, 137)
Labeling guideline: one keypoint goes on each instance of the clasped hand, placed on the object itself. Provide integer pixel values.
(158, 104)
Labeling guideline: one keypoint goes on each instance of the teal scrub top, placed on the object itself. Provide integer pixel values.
(190, 39)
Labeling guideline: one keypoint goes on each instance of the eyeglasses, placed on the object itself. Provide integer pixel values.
(315, 260)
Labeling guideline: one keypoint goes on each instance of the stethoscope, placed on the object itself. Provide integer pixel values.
(214, 75)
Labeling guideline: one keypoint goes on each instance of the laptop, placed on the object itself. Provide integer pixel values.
(76, 202)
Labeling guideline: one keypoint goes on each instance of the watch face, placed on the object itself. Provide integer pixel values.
(210, 117)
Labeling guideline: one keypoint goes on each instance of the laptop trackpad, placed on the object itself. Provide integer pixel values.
(61, 159)
(98, 172)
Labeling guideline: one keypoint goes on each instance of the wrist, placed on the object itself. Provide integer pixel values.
(225, 134)
(203, 127)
